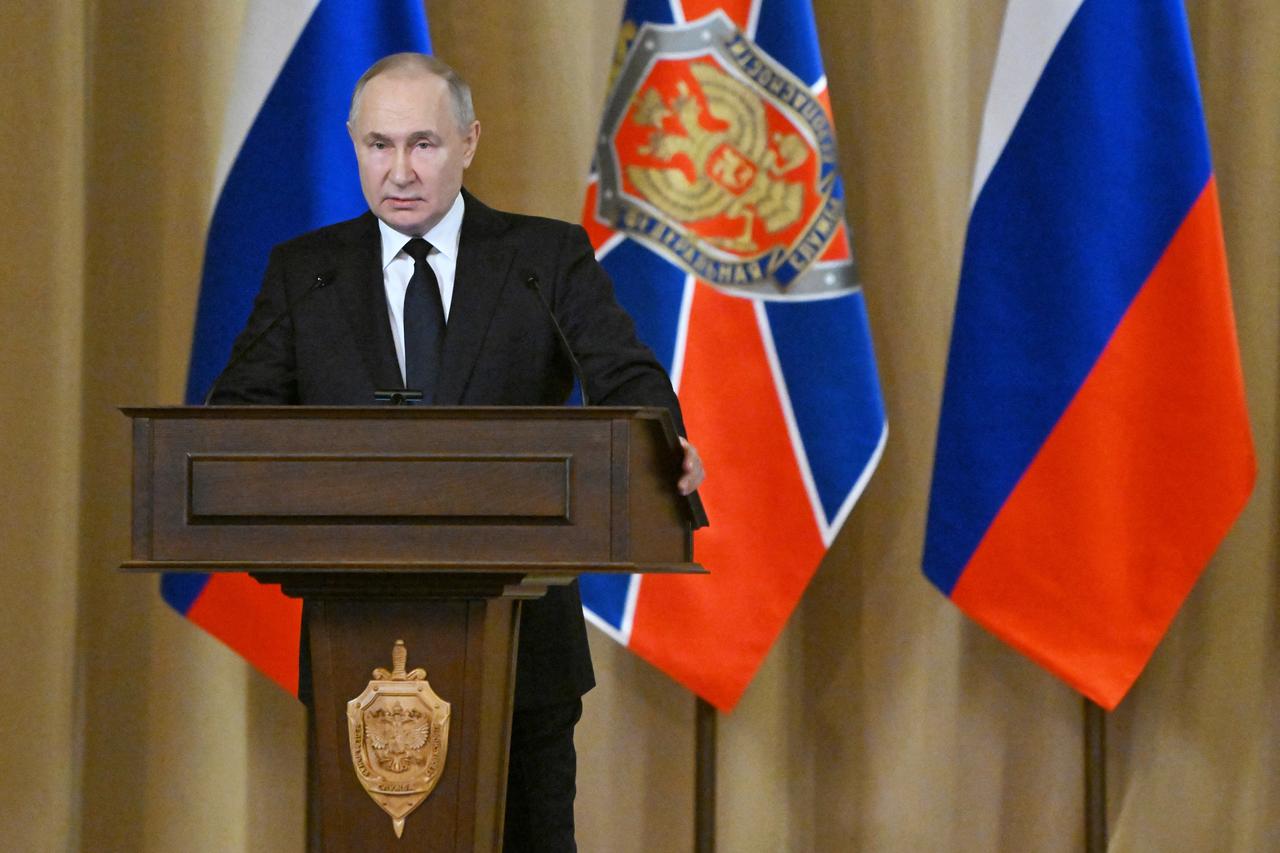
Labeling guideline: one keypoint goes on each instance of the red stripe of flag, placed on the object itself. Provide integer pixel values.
(256, 620)
(737, 10)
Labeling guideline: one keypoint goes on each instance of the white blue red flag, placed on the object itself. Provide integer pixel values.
(1094, 446)
(717, 207)
(286, 167)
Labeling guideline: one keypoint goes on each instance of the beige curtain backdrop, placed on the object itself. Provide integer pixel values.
(881, 721)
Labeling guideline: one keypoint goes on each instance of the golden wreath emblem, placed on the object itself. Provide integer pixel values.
(399, 733)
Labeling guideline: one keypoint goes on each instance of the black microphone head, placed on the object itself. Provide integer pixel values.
(531, 280)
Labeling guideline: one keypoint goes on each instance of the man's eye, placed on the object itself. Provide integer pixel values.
(378, 146)
(424, 143)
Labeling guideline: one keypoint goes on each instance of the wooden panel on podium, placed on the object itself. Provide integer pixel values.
(417, 524)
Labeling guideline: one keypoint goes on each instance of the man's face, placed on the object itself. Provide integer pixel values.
(410, 149)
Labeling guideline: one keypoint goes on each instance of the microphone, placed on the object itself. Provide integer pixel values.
(531, 281)
(322, 280)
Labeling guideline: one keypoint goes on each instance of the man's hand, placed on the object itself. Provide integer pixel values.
(692, 466)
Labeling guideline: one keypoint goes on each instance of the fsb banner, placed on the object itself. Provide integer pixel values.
(717, 207)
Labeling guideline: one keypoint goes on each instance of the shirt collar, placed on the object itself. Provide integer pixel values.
(444, 237)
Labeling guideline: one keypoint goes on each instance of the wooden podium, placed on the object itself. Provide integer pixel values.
(417, 524)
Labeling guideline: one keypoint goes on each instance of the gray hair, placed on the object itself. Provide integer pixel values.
(459, 91)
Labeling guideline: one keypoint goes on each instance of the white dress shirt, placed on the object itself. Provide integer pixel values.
(397, 267)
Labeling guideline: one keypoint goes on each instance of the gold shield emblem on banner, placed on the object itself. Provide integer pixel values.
(715, 156)
(399, 733)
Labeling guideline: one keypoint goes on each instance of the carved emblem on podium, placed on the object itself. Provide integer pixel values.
(399, 733)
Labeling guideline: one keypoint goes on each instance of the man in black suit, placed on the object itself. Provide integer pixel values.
(431, 290)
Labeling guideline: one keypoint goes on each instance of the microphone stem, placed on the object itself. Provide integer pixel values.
(532, 282)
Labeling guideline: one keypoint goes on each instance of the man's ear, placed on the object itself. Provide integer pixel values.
(470, 141)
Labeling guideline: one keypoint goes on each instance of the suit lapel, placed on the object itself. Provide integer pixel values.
(483, 269)
(358, 277)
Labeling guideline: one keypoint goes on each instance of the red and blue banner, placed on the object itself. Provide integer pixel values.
(286, 167)
(1094, 446)
(716, 205)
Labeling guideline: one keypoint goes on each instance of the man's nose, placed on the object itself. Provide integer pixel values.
(401, 168)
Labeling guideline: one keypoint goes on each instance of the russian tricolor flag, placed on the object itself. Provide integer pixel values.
(286, 167)
(716, 146)
(1094, 446)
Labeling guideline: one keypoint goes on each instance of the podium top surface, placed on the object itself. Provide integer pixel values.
(411, 412)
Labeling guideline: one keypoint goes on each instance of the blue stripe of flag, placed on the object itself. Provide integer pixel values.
(785, 29)
(1102, 167)
(605, 596)
(651, 289)
(181, 591)
(825, 354)
(651, 11)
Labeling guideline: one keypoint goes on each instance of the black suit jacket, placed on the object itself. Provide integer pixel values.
(334, 347)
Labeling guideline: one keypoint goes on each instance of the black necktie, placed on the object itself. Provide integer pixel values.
(423, 323)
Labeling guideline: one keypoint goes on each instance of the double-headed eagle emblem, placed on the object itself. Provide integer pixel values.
(399, 734)
(737, 171)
